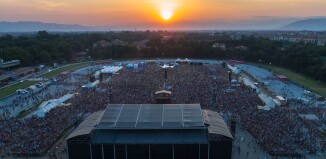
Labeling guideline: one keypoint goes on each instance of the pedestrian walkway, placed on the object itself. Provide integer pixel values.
(245, 146)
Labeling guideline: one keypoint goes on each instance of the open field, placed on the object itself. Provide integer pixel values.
(302, 80)
(12, 89)
(63, 69)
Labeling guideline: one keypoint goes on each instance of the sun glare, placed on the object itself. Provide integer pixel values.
(166, 15)
(167, 10)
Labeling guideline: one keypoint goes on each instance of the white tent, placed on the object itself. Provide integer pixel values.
(91, 84)
(277, 102)
(235, 70)
(130, 66)
(250, 84)
(50, 104)
(111, 69)
(32, 87)
(269, 103)
(309, 116)
(185, 60)
(135, 66)
(97, 74)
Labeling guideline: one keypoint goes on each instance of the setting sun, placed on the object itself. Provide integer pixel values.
(167, 10)
(166, 15)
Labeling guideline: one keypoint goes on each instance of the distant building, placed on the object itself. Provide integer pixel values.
(104, 43)
(303, 38)
(279, 38)
(241, 47)
(236, 37)
(140, 44)
(295, 39)
(81, 54)
(8, 63)
(6, 75)
(117, 42)
(166, 37)
(219, 45)
(321, 41)
(101, 43)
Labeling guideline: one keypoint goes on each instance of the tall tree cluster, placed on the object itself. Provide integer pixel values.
(45, 48)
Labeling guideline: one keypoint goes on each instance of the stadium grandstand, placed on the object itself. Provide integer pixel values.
(6, 75)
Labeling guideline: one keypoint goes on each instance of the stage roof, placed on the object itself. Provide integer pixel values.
(152, 124)
(216, 124)
(87, 125)
(152, 116)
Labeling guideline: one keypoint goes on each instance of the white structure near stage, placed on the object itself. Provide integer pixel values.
(50, 104)
(249, 83)
(90, 85)
(111, 69)
(235, 70)
(186, 60)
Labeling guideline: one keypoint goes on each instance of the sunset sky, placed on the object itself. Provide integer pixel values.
(151, 13)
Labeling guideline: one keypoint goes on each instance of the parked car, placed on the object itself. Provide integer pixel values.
(39, 85)
(21, 91)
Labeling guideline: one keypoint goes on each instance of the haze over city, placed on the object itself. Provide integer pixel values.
(165, 14)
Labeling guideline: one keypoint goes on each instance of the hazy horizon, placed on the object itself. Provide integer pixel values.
(165, 14)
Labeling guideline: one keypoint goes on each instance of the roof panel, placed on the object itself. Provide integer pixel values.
(87, 125)
(217, 124)
(172, 116)
(143, 116)
(128, 116)
(150, 116)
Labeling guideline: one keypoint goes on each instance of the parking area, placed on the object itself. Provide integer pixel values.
(286, 89)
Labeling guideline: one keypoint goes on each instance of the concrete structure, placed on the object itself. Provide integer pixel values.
(8, 63)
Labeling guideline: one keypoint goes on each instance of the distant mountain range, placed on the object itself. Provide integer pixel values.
(28, 26)
(318, 24)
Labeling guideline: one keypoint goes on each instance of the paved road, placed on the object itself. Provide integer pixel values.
(245, 147)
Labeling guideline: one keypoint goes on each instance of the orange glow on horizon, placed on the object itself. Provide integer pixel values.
(156, 13)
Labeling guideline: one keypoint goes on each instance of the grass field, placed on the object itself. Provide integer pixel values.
(63, 69)
(302, 80)
(12, 89)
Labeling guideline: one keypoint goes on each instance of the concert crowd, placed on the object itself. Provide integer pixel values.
(279, 131)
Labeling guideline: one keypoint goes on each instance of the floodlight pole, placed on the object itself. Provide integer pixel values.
(165, 77)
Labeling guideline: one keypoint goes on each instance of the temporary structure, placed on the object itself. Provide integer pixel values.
(235, 70)
(130, 66)
(91, 84)
(111, 69)
(50, 104)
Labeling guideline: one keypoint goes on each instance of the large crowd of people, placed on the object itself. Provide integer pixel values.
(279, 131)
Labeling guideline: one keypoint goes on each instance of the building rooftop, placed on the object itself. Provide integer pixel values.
(8, 63)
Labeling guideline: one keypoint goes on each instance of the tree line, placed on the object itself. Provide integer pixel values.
(45, 48)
